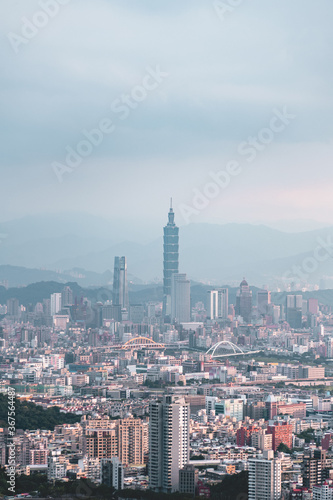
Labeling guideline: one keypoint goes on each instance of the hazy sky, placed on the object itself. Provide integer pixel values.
(205, 77)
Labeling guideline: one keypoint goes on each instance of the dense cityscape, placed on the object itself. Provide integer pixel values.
(170, 396)
(166, 250)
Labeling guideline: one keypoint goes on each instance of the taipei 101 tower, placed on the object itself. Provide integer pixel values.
(170, 259)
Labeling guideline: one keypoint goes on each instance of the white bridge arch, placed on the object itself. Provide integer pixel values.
(229, 348)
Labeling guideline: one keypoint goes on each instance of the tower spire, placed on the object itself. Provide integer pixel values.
(170, 203)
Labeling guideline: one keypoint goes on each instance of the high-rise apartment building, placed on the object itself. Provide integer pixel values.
(170, 259)
(169, 422)
(312, 471)
(265, 478)
(99, 438)
(120, 288)
(244, 302)
(180, 298)
(281, 433)
(131, 441)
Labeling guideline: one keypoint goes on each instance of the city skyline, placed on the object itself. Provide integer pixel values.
(166, 250)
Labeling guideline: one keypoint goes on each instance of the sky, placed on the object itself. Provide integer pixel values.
(110, 107)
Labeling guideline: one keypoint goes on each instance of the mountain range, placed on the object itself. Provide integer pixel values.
(80, 247)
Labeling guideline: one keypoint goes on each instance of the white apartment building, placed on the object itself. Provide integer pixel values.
(265, 478)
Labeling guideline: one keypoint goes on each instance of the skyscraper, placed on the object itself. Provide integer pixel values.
(294, 304)
(170, 258)
(55, 303)
(180, 298)
(120, 289)
(169, 422)
(244, 302)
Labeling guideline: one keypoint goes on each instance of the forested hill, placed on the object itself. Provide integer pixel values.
(31, 416)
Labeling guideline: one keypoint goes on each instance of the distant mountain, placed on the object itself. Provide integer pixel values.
(215, 254)
(21, 276)
(17, 276)
(209, 253)
(36, 292)
(138, 294)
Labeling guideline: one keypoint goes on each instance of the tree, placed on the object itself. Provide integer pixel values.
(284, 448)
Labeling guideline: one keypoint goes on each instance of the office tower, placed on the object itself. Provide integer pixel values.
(294, 304)
(13, 308)
(131, 449)
(244, 302)
(180, 298)
(55, 303)
(120, 290)
(111, 312)
(170, 259)
(168, 442)
(212, 304)
(281, 433)
(263, 299)
(271, 407)
(223, 303)
(67, 297)
(274, 312)
(217, 303)
(265, 478)
(112, 473)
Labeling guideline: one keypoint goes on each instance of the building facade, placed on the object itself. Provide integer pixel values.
(265, 478)
(168, 442)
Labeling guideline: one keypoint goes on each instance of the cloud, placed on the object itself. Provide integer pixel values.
(224, 80)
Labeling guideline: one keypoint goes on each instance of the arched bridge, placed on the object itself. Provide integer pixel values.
(224, 349)
(141, 343)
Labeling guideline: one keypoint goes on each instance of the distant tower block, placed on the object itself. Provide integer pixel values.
(120, 290)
